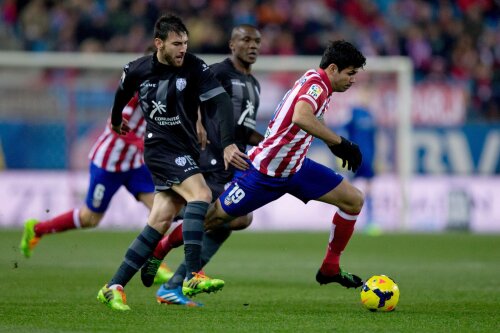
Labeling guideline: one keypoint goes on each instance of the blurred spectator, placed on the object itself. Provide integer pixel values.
(9, 14)
(8, 21)
(452, 41)
(34, 26)
(243, 12)
(118, 18)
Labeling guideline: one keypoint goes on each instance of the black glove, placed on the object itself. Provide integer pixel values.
(349, 153)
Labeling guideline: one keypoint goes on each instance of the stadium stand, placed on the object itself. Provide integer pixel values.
(446, 40)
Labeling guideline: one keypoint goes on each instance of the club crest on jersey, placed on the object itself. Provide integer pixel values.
(180, 161)
(315, 90)
(181, 84)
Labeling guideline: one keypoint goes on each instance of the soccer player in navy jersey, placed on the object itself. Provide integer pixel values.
(235, 75)
(279, 164)
(171, 84)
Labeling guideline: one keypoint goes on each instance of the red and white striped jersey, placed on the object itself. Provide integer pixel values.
(120, 153)
(285, 145)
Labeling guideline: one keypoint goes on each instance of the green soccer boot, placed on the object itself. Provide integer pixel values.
(200, 283)
(163, 275)
(29, 240)
(115, 298)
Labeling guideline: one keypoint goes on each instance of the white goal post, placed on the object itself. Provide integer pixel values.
(400, 66)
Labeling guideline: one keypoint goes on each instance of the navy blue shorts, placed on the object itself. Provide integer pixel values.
(104, 184)
(169, 168)
(252, 189)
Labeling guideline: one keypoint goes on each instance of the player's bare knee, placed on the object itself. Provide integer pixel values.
(161, 218)
(241, 222)
(248, 219)
(166, 218)
(89, 219)
(207, 198)
(352, 202)
(204, 195)
(357, 201)
(88, 222)
(216, 217)
(92, 223)
(161, 224)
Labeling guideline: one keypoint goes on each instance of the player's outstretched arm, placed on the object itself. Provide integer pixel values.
(303, 116)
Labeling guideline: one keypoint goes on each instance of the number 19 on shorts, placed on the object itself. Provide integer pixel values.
(234, 196)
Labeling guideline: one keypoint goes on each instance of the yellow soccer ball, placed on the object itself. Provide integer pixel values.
(380, 293)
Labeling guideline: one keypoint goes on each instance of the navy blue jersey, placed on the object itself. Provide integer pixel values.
(169, 97)
(244, 90)
(361, 130)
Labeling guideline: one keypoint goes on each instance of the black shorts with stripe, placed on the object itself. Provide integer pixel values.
(169, 167)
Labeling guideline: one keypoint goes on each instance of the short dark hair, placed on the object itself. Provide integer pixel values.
(343, 54)
(242, 26)
(169, 23)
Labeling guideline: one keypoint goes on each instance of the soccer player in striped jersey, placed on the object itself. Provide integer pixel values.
(115, 161)
(279, 164)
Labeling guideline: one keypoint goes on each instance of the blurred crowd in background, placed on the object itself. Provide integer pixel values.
(448, 41)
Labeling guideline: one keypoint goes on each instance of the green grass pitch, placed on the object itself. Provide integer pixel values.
(448, 283)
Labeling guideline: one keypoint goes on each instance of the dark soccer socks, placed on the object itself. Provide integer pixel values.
(137, 254)
(192, 232)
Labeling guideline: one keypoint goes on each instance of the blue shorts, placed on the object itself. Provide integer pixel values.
(252, 189)
(104, 184)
